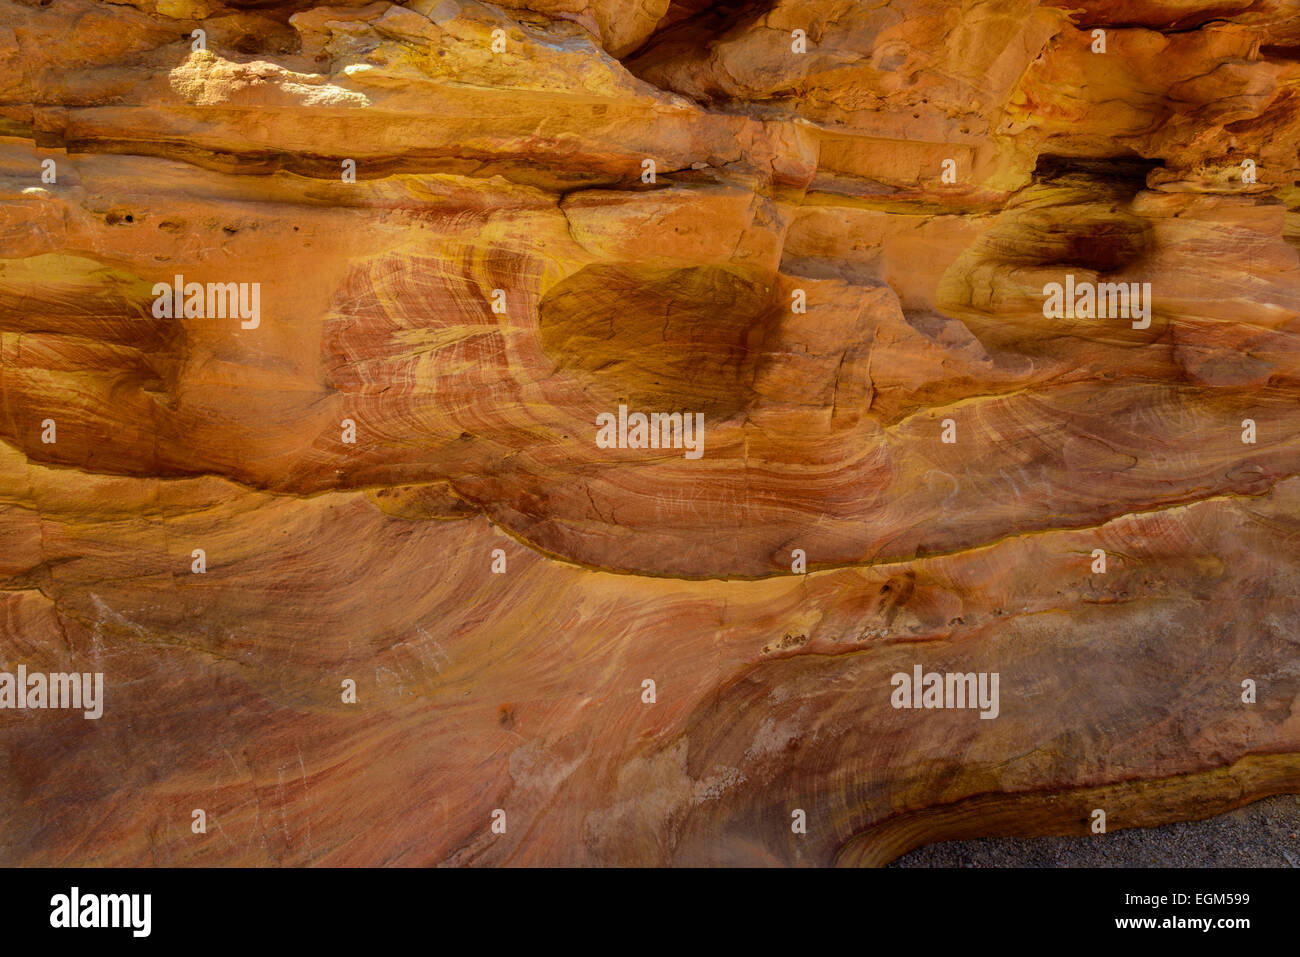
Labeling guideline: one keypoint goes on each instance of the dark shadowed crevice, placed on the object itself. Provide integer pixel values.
(1129, 172)
(688, 29)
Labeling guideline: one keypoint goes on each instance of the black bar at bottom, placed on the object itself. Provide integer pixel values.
(332, 907)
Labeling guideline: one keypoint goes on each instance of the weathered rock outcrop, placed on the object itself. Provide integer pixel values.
(838, 257)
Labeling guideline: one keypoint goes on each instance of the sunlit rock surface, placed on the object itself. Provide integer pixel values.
(905, 460)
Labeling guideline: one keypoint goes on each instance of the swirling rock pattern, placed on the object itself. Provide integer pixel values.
(941, 456)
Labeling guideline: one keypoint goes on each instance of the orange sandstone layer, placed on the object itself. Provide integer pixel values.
(916, 468)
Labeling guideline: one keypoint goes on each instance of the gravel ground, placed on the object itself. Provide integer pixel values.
(1263, 834)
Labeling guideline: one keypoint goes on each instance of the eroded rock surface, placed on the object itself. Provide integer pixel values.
(503, 271)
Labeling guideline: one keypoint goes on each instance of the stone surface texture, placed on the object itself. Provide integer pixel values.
(521, 170)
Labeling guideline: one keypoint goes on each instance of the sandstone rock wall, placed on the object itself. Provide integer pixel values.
(944, 455)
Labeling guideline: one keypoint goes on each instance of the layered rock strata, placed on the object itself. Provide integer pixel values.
(474, 230)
